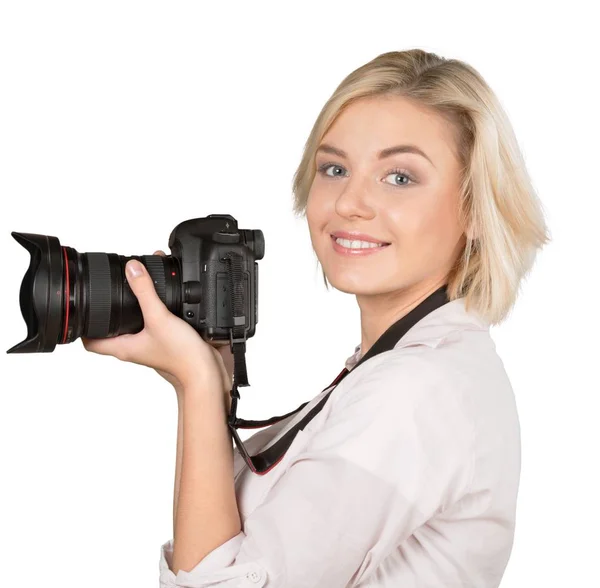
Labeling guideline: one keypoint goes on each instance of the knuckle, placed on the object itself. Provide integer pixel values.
(121, 351)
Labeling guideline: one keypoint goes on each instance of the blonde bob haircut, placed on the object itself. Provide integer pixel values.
(502, 214)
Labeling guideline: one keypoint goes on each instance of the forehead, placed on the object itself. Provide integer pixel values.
(371, 124)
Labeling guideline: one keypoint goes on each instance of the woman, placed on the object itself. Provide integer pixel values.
(409, 475)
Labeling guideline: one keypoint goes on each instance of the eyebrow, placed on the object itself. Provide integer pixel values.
(326, 148)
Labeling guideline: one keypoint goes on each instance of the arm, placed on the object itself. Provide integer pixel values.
(206, 511)
(227, 356)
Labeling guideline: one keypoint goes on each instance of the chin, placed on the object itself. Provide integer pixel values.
(353, 285)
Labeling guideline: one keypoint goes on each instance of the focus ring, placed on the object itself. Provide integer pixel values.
(99, 295)
(156, 268)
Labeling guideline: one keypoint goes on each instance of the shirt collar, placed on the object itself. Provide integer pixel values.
(435, 327)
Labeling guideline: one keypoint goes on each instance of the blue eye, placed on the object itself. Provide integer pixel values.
(402, 173)
(324, 169)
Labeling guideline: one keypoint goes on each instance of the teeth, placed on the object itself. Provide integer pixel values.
(357, 244)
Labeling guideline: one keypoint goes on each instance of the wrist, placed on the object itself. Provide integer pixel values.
(200, 385)
(205, 372)
(208, 395)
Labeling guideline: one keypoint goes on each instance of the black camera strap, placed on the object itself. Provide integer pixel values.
(270, 457)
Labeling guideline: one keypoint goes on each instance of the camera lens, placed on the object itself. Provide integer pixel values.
(66, 294)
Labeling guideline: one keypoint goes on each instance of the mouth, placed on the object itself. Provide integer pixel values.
(357, 251)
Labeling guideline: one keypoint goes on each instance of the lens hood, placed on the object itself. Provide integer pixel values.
(42, 294)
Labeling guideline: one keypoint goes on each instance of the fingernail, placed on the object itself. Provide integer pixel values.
(133, 269)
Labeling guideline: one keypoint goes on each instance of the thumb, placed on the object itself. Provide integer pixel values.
(142, 286)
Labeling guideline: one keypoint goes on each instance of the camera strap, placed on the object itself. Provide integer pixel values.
(264, 461)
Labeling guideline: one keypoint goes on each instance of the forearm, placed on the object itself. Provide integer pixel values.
(228, 361)
(179, 456)
(206, 513)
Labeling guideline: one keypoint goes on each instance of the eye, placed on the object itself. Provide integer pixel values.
(339, 169)
(403, 174)
(323, 169)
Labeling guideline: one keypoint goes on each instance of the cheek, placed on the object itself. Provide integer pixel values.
(310, 201)
(409, 220)
(313, 217)
(425, 228)
(445, 220)
(315, 209)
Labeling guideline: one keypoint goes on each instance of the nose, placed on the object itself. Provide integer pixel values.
(353, 201)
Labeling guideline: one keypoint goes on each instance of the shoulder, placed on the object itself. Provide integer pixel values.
(417, 391)
(400, 423)
(451, 400)
(399, 377)
(448, 370)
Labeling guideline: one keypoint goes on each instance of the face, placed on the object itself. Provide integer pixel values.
(405, 199)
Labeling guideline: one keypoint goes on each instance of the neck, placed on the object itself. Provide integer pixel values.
(378, 312)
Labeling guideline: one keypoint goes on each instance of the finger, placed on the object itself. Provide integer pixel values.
(160, 252)
(142, 286)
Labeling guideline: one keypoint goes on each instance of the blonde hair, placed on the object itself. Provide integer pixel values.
(498, 204)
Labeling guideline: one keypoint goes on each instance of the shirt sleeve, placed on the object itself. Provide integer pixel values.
(395, 450)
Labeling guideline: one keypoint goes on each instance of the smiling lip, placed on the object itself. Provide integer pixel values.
(355, 252)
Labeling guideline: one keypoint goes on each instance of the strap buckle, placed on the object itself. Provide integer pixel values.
(233, 340)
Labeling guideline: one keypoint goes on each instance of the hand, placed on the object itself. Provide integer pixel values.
(166, 375)
(224, 349)
(166, 343)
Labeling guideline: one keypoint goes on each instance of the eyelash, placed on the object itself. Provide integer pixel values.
(399, 171)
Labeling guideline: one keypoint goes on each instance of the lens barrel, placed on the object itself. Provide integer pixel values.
(66, 294)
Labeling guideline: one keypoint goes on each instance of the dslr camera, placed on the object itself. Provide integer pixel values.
(210, 280)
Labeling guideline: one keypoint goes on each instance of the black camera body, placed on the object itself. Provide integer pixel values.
(212, 268)
(200, 246)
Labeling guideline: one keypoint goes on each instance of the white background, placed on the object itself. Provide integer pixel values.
(121, 119)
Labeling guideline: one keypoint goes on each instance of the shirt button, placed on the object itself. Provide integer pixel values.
(253, 576)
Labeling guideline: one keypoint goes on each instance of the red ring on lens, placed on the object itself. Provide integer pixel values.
(67, 295)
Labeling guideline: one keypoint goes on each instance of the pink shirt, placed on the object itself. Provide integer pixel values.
(407, 478)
